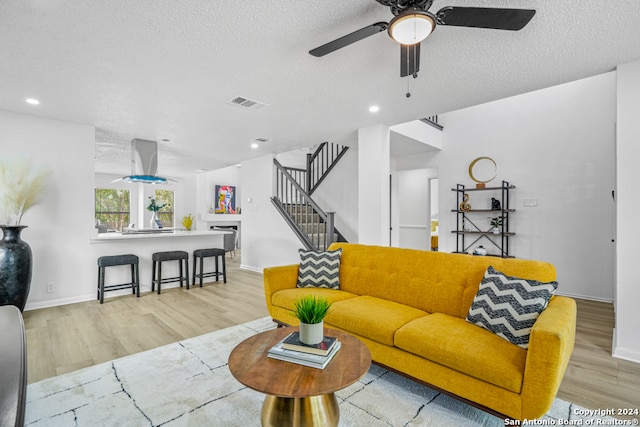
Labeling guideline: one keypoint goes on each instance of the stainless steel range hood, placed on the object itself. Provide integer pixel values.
(144, 163)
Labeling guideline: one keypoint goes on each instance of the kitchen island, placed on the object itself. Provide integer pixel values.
(144, 243)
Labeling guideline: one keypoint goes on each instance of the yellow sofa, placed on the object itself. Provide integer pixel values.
(409, 308)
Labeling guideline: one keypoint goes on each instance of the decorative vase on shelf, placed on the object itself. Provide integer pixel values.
(15, 267)
(153, 223)
(311, 333)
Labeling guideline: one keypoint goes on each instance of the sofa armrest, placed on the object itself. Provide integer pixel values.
(277, 279)
(550, 347)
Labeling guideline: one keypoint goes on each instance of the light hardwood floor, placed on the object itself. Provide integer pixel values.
(67, 338)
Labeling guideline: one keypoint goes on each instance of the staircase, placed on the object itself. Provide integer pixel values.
(314, 227)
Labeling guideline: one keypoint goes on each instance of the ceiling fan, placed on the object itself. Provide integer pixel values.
(412, 23)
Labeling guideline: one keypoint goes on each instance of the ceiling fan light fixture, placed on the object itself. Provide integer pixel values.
(411, 26)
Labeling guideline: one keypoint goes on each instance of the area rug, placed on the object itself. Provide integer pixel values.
(188, 383)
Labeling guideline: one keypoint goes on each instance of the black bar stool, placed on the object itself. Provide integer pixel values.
(206, 253)
(159, 258)
(113, 260)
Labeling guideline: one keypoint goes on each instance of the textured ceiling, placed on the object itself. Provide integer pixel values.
(163, 69)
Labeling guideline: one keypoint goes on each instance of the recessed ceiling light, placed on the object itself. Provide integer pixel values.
(32, 101)
(254, 145)
(374, 109)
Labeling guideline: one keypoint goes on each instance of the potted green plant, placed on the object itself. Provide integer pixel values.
(496, 223)
(311, 311)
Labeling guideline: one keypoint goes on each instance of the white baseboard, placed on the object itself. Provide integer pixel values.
(590, 298)
(251, 268)
(90, 297)
(59, 301)
(623, 353)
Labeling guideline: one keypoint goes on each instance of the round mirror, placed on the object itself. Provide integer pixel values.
(483, 170)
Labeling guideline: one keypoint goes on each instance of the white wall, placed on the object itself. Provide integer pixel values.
(419, 131)
(59, 228)
(185, 195)
(416, 161)
(339, 193)
(393, 205)
(267, 240)
(295, 158)
(433, 194)
(555, 145)
(204, 190)
(374, 169)
(626, 343)
(206, 187)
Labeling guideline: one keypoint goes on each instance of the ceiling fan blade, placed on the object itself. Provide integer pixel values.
(409, 59)
(483, 17)
(349, 39)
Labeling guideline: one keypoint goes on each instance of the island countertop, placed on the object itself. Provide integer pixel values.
(106, 237)
(144, 244)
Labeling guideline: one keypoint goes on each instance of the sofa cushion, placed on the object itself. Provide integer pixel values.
(509, 306)
(370, 317)
(319, 269)
(287, 297)
(457, 344)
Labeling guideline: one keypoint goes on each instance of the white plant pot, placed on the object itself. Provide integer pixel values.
(311, 333)
(496, 230)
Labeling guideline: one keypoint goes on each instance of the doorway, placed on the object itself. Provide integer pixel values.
(417, 207)
(433, 213)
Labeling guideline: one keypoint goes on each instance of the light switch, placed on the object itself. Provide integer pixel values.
(530, 203)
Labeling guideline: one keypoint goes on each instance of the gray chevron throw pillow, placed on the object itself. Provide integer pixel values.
(319, 269)
(509, 306)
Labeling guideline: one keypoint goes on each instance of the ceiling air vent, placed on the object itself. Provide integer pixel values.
(249, 104)
(262, 140)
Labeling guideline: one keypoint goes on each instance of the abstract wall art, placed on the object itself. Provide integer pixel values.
(225, 199)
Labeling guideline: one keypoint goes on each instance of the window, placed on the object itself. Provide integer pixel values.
(165, 215)
(112, 208)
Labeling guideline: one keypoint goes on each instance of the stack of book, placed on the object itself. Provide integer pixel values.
(291, 349)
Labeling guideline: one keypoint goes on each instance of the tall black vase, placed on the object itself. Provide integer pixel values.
(15, 267)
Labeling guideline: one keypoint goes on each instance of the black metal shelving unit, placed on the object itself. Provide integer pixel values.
(468, 233)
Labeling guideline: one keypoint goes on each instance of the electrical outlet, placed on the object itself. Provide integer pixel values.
(51, 287)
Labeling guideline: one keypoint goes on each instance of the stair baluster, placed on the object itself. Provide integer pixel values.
(320, 163)
(312, 225)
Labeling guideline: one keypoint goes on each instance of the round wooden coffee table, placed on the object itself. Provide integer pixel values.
(298, 395)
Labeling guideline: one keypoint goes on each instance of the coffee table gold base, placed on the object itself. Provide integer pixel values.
(311, 411)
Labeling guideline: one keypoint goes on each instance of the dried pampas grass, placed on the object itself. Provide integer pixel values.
(20, 189)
